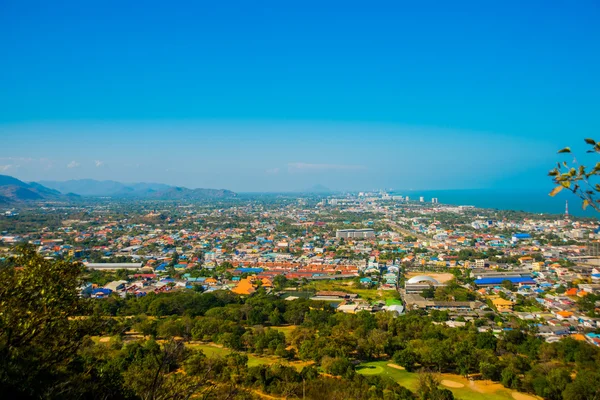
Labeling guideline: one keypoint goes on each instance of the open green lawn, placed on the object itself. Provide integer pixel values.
(209, 350)
(477, 390)
(393, 302)
(285, 329)
(253, 360)
(348, 286)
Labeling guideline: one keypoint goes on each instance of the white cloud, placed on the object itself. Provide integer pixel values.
(4, 168)
(272, 171)
(73, 164)
(299, 166)
(99, 163)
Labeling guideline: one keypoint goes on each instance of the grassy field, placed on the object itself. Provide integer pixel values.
(285, 329)
(347, 286)
(465, 389)
(212, 350)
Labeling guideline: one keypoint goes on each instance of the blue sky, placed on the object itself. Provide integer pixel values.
(269, 96)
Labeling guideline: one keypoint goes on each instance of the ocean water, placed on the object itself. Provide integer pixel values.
(529, 200)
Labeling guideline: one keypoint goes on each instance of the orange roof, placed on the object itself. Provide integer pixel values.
(502, 302)
(578, 336)
(266, 282)
(571, 292)
(565, 314)
(244, 286)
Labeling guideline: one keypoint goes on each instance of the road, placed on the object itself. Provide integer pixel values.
(406, 232)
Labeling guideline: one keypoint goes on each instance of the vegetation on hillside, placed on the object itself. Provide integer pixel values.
(46, 333)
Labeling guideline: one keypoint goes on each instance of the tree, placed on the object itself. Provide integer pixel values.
(428, 293)
(489, 370)
(155, 373)
(560, 289)
(578, 180)
(510, 378)
(406, 358)
(40, 331)
(275, 318)
(508, 285)
(586, 386)
(280, 282)
(558, 379)
(428, 388)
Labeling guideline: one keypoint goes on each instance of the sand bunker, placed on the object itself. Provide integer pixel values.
(395, 366)
(453, 384)
(522, 396)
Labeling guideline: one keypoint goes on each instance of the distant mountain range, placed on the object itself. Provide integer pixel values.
(13, 190)
(92, 187)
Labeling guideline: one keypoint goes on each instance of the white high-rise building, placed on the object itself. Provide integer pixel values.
(421, 199)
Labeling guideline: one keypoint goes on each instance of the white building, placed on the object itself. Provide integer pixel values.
(355, 233)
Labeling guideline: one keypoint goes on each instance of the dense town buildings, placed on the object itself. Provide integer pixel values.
(471, 262)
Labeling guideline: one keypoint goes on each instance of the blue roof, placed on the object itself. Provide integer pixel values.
(102, 290)
(496, 281)
(249, 270)
(522, 235)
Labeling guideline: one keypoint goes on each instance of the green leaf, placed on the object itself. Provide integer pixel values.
(555, 191)
(586, 203)
(565, 150)
(590, 141)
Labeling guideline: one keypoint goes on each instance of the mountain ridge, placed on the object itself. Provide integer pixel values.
(136, 190)
(13, 190)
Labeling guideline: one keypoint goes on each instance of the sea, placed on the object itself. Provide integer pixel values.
(530, 200)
